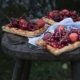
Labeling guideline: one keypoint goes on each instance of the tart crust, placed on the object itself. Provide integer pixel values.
(24, 33)
(56, 51)
(49, 21)
(41, 43)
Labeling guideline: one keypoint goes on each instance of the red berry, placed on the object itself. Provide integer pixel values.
(53, 45)
(74, 13)
(31, 27)
(79, 37)
(47, 36)
(65, 11)
(61, 28)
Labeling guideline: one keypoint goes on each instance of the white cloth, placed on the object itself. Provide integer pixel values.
(67, 22)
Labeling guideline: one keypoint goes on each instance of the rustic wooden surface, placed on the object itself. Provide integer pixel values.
(19, 47)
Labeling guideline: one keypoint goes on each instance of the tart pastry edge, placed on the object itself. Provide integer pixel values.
(24, 33)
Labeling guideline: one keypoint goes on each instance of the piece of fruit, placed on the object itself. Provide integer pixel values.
(54, 45)
(73, 37)
(23, 24)
(14, 22)
(65, 12)
(78, 18)
(57, 15)
(79, 37)
(61, 28)
(47, 35)
(74, 13)
(74, 30)
(61, 37)
(31, 27)
(40, 23)
(23, 21)
(51, 14)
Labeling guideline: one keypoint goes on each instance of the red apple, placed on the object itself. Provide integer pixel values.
(51, 14)
(73, 37)
(40, 23)
(22, 21)
(23, 24)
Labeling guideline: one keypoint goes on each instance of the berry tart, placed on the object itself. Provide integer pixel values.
(25, 28)
(61, 40)
(56, 16)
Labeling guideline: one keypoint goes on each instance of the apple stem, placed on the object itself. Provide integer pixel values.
(8, 18)
(64, 37)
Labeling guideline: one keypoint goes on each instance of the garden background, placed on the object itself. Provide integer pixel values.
(33, 9)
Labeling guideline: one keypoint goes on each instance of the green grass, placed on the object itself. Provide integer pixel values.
(49, 71)
(6, 67)
(39, 71)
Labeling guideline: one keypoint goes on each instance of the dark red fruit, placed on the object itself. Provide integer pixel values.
(23, 24)
(78, 31)
(74, 31)
(78, 18)
(61, 28)
(62, 37)
(65, 12)
(47, 35)
(31, 27)
(40, 23)
(60, 15)
(79, 38)
(54, 45)
(14, 22)
(51, 14)
(74, 13)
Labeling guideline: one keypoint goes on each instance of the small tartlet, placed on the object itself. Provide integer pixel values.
(24, 33)
(58, 15)
(60, 44)
(25, 28)
(57, 51)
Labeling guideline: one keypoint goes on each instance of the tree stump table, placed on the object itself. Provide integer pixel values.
(19, 48)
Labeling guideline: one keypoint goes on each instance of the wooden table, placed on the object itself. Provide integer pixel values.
(25, 53)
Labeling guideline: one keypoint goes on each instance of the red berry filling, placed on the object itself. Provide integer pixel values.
(62, 37)
(57, 15)
(23, 24)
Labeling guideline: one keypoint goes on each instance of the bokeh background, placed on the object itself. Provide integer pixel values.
(33, 9)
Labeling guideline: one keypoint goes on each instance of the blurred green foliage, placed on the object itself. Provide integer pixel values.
(40, 70)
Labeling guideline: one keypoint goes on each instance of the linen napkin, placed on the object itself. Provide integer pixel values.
(67, 22)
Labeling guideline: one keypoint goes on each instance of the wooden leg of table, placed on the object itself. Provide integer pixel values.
(21, 70)
(75, 68)
(26, 70)
(19, 65)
